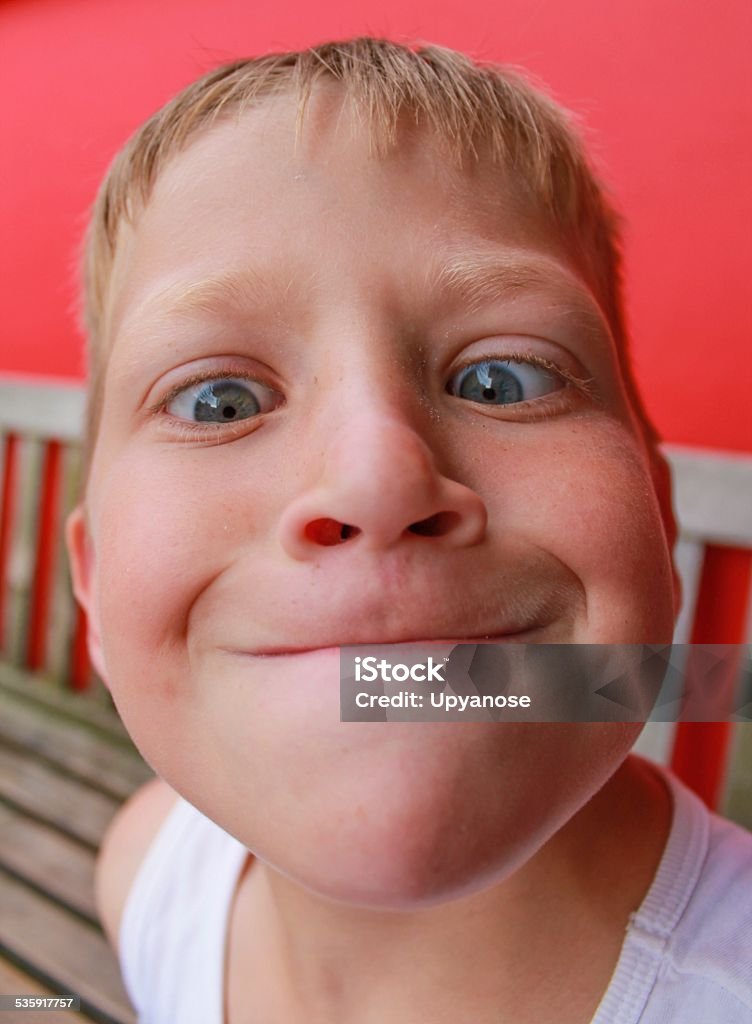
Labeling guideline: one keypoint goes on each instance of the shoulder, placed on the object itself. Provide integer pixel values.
(124, 846)
(712, 939)
(724, 884)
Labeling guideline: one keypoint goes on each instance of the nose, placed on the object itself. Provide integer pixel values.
(380, 486)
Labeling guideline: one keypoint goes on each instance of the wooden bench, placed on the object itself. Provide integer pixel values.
(65, 767)
(65, 761)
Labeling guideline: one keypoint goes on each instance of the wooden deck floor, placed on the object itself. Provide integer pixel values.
(65, 766)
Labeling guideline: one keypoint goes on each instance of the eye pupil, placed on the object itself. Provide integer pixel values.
(489, 393)
(228, 412)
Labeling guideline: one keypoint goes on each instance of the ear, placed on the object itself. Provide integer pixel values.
(661, 474)
(81, 558)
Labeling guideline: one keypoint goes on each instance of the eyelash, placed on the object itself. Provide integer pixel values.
(186, 430)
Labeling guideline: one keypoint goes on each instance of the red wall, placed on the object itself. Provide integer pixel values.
(663, 85)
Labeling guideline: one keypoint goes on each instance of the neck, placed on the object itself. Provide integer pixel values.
(506, 953)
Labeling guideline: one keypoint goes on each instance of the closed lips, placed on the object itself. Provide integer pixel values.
(279, 651)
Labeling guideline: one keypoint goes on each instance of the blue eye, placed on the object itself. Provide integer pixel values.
(222, 400)
(504, 382)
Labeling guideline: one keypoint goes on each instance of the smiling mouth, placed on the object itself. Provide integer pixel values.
(519, 636)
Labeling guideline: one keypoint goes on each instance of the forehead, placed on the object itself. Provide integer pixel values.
(251, 209)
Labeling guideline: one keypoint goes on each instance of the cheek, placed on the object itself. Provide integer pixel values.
(162, 537)
(622, 548)
(587, 499)
(602, 503)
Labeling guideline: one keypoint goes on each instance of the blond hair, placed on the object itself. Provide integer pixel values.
(470, 107)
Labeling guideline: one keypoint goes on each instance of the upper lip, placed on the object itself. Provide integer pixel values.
(455, 637)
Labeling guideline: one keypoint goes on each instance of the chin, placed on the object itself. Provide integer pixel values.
(392, 878)
(415, 828)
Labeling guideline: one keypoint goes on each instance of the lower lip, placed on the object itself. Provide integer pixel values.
(328, 652)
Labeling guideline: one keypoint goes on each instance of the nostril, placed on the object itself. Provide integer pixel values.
(437, 525)
(328, 532)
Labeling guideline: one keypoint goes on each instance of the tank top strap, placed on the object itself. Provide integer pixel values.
(174, 926)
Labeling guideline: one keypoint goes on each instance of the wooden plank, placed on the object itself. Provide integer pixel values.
(41, 691)
(688, 558)
(66, 953)
(22, 553)
(48, 861)
(39, 407)
(712, 494)
(62, 619)
(656, 741)
(14, 981)
(82, 753)
(5, 528)
(96, 692)
(40, 791)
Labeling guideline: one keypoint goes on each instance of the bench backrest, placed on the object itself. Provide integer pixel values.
(40, 463)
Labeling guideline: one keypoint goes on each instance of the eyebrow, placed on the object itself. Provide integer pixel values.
(233, 289)
(481, 278)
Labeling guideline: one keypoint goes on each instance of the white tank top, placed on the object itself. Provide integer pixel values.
(174, 926)
(686, 957)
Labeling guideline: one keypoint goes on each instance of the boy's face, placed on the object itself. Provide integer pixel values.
(365, 312)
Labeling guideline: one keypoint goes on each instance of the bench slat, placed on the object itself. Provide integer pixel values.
(62, 618)
(688, 557)
(712, 494)
(42, 692)
(36, 407)
(14, 981)
(41, 792)
(22, 554)
(49, 861)
(63, 950)
(79, 751)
